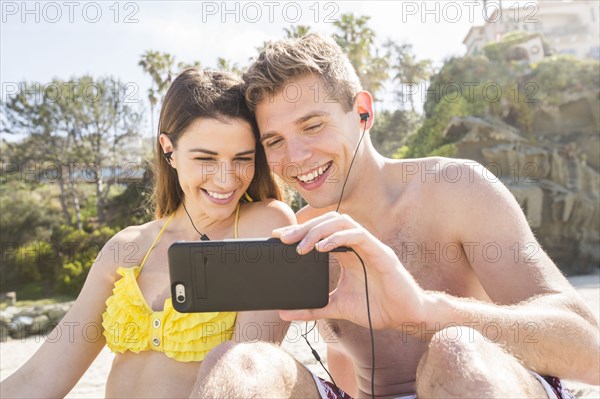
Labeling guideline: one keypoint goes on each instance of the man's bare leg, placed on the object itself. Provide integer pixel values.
(257, 370)
(461, 363)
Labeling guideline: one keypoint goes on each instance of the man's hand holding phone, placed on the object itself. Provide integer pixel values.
(394, 295)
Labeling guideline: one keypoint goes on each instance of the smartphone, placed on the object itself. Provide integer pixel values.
(246, 274)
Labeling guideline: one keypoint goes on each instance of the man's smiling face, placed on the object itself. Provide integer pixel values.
(308, 138)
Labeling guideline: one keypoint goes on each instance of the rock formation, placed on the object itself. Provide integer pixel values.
(553, 173)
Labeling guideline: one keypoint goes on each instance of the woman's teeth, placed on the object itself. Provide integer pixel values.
(307, 178)
(218, 195)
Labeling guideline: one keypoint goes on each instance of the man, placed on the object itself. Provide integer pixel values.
(462, 303)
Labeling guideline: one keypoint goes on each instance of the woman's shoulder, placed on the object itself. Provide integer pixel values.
(269, 213)
(270, 208)
(140, 233)
(128, 246)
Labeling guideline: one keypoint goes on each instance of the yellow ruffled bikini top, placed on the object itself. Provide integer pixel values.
(130, 324)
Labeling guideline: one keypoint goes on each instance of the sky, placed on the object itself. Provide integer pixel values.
(40, 41)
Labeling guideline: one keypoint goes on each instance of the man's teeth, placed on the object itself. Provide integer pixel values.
(313, 175)
(219, 196)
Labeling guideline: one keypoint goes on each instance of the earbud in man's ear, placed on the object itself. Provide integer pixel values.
(364, 116)
(167, 156)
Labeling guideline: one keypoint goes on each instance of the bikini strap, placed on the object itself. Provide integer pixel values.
(237, 216)
(156, 239)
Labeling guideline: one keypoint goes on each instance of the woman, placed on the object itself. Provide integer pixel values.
(212, 179)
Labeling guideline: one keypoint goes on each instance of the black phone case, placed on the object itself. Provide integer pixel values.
(243, 274)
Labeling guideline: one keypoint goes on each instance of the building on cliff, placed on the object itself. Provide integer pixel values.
(569, 27)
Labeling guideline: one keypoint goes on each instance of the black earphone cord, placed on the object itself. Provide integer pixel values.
(363, 117)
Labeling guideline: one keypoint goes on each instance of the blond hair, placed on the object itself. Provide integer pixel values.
(282, 61)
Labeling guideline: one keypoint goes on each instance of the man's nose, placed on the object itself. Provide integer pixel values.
(297, 151)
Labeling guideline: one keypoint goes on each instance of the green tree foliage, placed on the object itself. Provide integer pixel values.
(27, 214)
(407, 71)
(159, 65)
(226, 65)
(358, 42)
(28, 219)
(35, 113)
(56, 223)
(78, 252)
(558, 75)
(73, 129)
(429, 139)
(295, 31)
(133, 206)
(80, 119)
(496, 91)
(392, 128)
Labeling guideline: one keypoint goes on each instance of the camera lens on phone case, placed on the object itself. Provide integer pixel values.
(180, 293)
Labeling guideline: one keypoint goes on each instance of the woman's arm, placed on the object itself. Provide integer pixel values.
(69, 350)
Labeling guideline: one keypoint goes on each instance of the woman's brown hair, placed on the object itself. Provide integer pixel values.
(204, 94)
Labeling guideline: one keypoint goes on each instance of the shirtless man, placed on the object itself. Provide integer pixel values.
(460, 303)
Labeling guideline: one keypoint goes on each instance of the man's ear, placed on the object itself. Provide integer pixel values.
(363, 104)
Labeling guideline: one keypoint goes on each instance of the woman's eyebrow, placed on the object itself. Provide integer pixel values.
(246, 152)
(204, 151)
(216, 153)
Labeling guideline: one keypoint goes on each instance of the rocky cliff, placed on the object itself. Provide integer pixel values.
(553, 172)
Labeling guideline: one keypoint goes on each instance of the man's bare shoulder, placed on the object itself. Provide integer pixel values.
(452, 190)
(440, 175)
(432, 170)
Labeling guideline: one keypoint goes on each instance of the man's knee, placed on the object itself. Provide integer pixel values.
(460, 362)
(453, 355)
(251, 370)
(245, 357)
(453, 344)
(252, 357)
(216, 353)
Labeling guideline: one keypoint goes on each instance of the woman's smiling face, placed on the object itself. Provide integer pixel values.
(215, 164)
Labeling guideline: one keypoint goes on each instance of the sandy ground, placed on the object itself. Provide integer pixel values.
(14, 353)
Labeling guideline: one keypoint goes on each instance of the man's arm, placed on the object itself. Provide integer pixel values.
(537, 316)
(528, 294)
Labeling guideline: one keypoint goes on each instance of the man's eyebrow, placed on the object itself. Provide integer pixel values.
(298, 121)
(216, 153)
(267, 135)
(310, 115)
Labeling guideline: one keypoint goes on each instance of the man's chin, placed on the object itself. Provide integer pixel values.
(318, 200)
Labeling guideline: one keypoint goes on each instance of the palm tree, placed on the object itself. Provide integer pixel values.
(358, 42)
(407, 69)
(159, 67)
(296, 31)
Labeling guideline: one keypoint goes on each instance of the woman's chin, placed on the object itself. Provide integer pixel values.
(220, 211)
